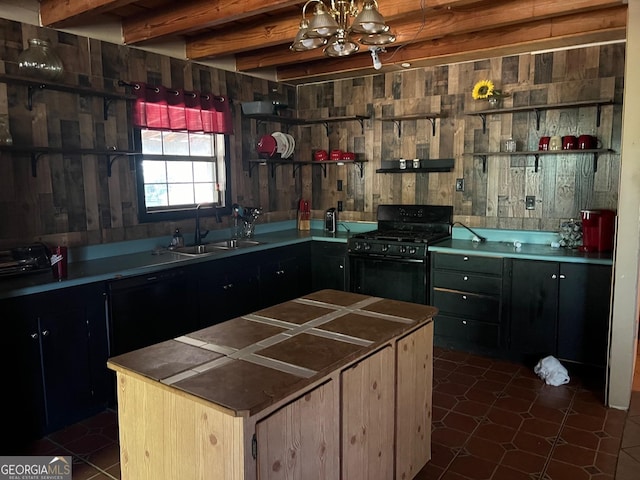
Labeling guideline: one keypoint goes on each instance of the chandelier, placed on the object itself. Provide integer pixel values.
(329, 27)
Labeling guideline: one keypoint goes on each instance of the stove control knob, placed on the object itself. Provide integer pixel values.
(357, 246)
(403, 249)
(412, 250)
(385, 247)
(367, 246)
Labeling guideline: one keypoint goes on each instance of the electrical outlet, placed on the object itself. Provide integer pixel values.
(530, 202)
(339, 205)
(339, 185)
(459, 184)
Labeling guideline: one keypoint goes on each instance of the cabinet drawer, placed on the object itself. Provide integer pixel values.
(470, 332)
(467, 282)
(468, 263)
(467, 305)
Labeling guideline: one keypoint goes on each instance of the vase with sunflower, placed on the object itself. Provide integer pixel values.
(486, 90)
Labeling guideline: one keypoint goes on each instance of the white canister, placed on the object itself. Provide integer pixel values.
(403, 164)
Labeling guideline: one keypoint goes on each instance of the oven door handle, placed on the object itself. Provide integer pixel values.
(387, 258)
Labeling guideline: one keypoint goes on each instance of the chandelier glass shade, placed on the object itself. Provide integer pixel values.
(330, 26)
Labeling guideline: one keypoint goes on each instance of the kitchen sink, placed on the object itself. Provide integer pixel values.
(215, 247)
(234, 244)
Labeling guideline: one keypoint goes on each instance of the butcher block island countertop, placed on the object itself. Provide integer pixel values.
(332, 385)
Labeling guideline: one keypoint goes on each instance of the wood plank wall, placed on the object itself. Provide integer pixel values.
(72, 200)
(563, 184)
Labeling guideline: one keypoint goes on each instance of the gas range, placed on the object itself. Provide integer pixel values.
(404, 231)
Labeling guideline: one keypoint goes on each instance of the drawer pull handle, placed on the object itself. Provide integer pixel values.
(562, 276)
(554, 276)
(464, 297)
(465, 278)
(466, 258)
(464, 322)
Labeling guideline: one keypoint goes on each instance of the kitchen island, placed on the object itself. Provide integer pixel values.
(330, 385)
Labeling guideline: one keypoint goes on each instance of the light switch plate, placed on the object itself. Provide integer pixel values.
(459, 184)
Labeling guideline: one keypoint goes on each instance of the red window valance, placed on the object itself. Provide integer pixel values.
(162, 108)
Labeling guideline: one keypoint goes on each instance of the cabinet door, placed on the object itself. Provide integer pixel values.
(368, 417)
(284, 274)
(227, 288)
(58, 360)
(64, 338)
(534, 309)
(301, 440)
(583, 313)
(152, 308)
(23, 407)
(328, 269)
(413, 397)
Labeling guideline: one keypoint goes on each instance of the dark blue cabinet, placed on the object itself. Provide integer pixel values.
(55, 352)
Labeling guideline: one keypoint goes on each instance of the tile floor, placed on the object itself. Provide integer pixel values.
(491, 420)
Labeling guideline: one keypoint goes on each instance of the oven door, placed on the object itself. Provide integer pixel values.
(388, 277)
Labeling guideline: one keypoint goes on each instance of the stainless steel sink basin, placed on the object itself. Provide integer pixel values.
(215, 247)
(233, 244)
(196, 250)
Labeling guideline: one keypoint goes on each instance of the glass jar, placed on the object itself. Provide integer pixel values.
(5, 134)
(510, 145)
(39, 60)
(494, 101)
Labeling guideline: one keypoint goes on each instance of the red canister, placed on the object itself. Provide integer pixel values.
(59, 262)
(598, 230)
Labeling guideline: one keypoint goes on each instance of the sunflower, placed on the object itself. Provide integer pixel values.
(483, 89)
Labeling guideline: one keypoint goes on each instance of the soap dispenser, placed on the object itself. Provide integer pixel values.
(178, 239)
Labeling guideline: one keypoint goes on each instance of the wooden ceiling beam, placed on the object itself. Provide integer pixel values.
(190, 16)
(282, 30)
(609, 24)
(440, 25)
(54, 13)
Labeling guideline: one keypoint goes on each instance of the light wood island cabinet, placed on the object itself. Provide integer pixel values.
(332, 385)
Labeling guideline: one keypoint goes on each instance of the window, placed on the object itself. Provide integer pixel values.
(179, 170)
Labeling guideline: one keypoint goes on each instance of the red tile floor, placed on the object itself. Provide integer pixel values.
(491, 420)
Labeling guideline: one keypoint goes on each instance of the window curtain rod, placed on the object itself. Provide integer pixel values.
(138, 86)
(162, 108)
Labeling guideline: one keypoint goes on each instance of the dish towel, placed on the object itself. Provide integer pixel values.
(552, 371)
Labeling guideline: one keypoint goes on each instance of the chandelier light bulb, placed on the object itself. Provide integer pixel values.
(368, 27)
(377, 64)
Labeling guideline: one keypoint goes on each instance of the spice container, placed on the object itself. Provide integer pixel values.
(5, 134)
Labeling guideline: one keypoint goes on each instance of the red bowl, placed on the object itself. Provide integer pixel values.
(320, 155)
(348, 156)
(335, 155)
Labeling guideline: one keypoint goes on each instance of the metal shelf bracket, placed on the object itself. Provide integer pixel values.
(483, 116)
(35, 156)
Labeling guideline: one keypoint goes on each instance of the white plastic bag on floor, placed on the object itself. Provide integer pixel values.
(552, 371)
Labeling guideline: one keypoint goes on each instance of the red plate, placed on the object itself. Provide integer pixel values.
(267, 146)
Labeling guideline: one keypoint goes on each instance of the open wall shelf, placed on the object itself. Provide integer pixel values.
(34, 85)
(540, 108)
(262, 118)
(398, 119)
(36, 152)
(273, 164)
(538, 153)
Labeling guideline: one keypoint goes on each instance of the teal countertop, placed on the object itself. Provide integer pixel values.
(141, 257)
(526, 251)
(522, 244)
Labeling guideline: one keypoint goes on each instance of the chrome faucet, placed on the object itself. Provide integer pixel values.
(198, 235)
